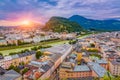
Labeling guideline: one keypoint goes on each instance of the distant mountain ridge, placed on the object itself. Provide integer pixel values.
(60, 24)
(108, 25)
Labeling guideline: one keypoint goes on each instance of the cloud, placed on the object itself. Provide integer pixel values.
(95, 9)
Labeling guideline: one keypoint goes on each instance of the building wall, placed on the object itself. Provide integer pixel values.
(114, 69)
(19, 78)
(3, 43)
(57, 63)
(94, 74)
(15, 62)
(51, 70)
(75, 74)
(105, 66)
(6, 63)
(2, 62)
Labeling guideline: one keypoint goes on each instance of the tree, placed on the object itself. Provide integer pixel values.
(11, 67)
(34, 48)
(38, 54)
(96, 78)
(116, 78)
(79, 57)
(26, 50)
(22, 63)
(19, 42)
(24, 70)
(1, 54)
(12, 53)
(92, 45)
(39, 47)
(108, 76)
(14, 68)
(93, 50)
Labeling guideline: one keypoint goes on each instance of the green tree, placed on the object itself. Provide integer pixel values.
(34, 48)
(1, 54)
(108, 76)
(39, 47)
(24, 70)
(38, 54)
(92, 45)
(11, 67)
(26, 50)
(14, 68)
(19, 42)
(96, 78)
(22, 63)
(116, 78)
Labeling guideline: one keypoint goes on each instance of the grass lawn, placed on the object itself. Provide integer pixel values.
(7, 50)
(83, 36)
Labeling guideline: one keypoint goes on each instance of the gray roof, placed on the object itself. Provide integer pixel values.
(81, 68)
(67, 65)
(10, 75)
(42, 65)
(3, 41)
(114, 62)
(26, 54)
(59, 49)
(45, 67)
(55, 57)
(2, 71)
(73, 55)
(101, 61)
(99, 70)
(15, 56)
(1, 57)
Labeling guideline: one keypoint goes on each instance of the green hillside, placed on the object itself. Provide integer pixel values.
(59, 24)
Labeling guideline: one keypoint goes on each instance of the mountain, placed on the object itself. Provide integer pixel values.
(106, 25)
(60, 24)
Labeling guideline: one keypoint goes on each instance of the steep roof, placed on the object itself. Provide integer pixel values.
(10, 75)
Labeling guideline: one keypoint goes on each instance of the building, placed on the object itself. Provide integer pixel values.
(1, 60)
(115, 67)
(97, 70)
(2, 71)
(49, 64)
(6, 62)
(10, 75)
(102, 63)
(16, 59)
(69, 71)
(3, 42)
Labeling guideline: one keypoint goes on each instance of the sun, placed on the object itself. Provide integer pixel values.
(25, 22)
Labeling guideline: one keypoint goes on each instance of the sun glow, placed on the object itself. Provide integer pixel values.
(26, 22)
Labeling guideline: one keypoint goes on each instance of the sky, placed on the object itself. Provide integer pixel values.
(42, 10)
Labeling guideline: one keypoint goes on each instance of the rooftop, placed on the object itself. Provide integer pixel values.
(66, 65)
(115, 62)
(81, 68)
(101, 61)
(59, 49)
(10, 75)
(2, 71)
(99, 70)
